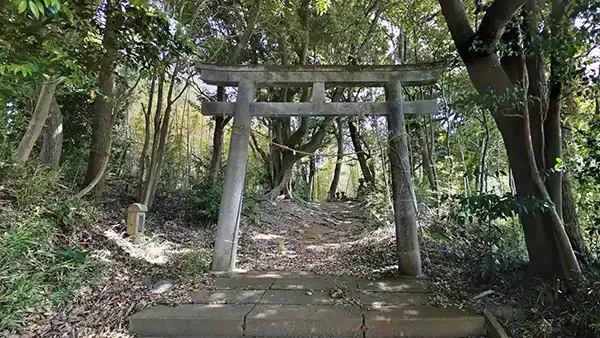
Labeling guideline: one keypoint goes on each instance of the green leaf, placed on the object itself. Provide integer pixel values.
(322, 6)
(47, 3)
(34, 9)
(22, 6)
(558, 163)
(41, 8)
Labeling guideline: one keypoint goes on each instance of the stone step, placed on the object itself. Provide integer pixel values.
(422, 321)
(276, 320)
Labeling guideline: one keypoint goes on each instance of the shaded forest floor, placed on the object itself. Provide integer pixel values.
(323, 238)
(333, 238)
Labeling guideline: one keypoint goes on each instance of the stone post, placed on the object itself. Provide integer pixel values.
(405, 216)
(136, 220)
(235, 173)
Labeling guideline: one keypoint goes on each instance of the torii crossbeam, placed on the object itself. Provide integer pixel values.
(248, 78)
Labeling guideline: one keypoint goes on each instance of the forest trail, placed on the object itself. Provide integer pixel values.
(310, 237)
(297, 287)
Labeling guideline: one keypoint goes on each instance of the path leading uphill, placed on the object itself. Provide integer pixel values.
(307, 278)
(316, 237)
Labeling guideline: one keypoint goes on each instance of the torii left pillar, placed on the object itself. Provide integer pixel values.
(225, 249)
(405, 213)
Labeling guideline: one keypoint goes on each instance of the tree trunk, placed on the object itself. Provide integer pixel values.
(217, 154)
(287, 158)
(572, 226)
(146, 146)
(36, 124)
(53, 137)
(159, 147)
(340, 157)
(103, 107)
(427, 161)
(484, 150)
(546, 245)
(360, 154)
(311, 178)
(158, 122)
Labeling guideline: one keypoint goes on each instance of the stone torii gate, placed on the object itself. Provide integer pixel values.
(247, 78)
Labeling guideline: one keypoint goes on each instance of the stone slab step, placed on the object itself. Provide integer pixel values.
(276, 320)
(404, 285)
(422, 321)
(191, 320)
(304, 321)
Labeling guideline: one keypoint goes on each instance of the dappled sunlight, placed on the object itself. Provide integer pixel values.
(387, 268)
(266, 237)
(152, 249)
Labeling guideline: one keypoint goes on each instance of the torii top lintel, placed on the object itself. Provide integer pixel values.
(331, 75)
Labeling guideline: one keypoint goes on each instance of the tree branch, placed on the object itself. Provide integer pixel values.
(262, 154)
(496, 18)
(316, 139)
(458, 24)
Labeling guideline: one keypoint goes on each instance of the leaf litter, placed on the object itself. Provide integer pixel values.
(329, 238)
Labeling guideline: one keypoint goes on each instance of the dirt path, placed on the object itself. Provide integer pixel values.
(314, 238)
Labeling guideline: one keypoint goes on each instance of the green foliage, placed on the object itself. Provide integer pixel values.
(204, 200)
(39, 267)
(29, 186)
(38, 8)
(491, 207)
(195, 263)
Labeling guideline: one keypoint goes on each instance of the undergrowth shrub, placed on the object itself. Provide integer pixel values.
(375, 203)
(195, 263)
(40, 268)
(199, 204)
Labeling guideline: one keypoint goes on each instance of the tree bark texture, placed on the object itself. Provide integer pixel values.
(53, 137)
(360, 154)
(337, 172)
(546, 245)
(217, 155)
(162, 124)
(36, 124)
(428, 165)
(312, 167)
(103, 106)
(572, 225)
(147, 125)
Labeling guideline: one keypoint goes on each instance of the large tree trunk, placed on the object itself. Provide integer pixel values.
(287, 158)
(360, 154)
(103, 107)
(53, 137)
(547, 242)
(340, 157)
(36, 124)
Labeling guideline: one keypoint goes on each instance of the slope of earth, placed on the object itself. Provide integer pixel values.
(322, 238)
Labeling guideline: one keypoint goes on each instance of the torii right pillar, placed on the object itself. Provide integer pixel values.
(405, 214)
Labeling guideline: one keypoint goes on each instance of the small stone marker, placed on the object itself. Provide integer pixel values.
(136, 219)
